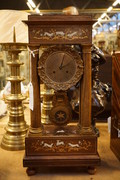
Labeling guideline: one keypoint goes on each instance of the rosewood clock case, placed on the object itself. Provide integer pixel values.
(72, 144)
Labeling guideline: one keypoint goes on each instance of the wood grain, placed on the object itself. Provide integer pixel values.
(115, 120)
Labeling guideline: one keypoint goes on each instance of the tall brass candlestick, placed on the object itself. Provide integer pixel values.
(14, 138)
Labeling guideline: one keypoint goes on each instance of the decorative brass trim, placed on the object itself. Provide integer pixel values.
(60, 146)
(64, 33)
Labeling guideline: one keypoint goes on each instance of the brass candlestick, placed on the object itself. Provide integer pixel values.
(47, 104)
(14, 138)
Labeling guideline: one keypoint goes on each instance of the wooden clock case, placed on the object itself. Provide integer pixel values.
(45, 145)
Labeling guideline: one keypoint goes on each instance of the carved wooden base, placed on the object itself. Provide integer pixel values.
(61, 148)
(60, 141)
(35, 162)
(79, 160)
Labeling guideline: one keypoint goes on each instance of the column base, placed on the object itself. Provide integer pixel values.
(86, 130)
(34, 163)
(35, 130)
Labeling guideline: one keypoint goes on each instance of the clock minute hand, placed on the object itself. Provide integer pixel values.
(66, 64)
(61, 65)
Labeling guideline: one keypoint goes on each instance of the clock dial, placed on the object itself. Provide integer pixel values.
(60, 67)
(63, 67)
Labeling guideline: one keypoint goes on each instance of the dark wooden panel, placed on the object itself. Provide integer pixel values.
(59, 19)
(115, 123)
(105, 70)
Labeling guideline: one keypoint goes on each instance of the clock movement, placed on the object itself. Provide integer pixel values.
(60, 66)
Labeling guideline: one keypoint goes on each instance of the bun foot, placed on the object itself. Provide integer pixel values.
(31, 171)
(91, 170)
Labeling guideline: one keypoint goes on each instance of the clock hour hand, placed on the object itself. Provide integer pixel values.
(61, 65)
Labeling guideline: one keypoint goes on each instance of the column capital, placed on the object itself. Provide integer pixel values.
(32, 48)
(86, 48)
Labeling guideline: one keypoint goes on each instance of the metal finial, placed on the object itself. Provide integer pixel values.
(14, 35)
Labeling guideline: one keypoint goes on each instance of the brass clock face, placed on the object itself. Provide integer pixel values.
(60, 67)
(63, 67)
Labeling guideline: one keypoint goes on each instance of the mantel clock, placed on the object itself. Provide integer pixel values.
(60, 66)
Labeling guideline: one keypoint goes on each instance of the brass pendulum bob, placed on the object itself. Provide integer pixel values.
(16, 129)
(47, 104)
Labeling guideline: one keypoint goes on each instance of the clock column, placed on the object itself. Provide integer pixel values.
(85, 91)
(35, 80)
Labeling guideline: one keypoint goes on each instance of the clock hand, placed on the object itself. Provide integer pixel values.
(66, 64)
(61, 65)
